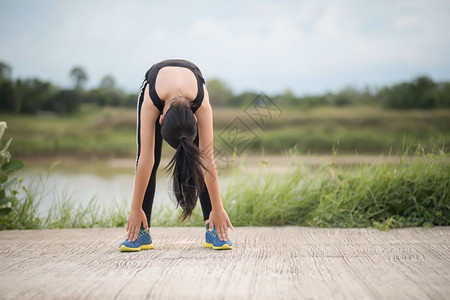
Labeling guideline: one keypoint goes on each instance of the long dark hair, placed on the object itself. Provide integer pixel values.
(179, 129)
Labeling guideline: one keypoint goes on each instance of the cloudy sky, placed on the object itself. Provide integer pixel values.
(309, 47)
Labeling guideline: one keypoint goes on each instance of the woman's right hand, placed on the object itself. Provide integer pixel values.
(135, 219)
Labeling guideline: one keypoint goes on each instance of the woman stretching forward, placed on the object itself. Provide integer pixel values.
(173, 105)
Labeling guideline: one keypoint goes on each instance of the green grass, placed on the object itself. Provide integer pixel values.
(414, 192)
(63, 213)
(111, 132)
(107, 131)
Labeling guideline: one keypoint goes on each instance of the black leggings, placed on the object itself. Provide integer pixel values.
(147, 203)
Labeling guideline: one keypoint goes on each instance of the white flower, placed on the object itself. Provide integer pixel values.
(3, 126)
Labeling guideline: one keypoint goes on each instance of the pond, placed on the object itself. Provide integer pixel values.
(111, 181)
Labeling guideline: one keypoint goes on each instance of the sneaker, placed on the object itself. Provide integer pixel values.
(212, 240)
(143, 242)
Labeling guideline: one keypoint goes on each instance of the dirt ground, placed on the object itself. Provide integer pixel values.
(265, 263)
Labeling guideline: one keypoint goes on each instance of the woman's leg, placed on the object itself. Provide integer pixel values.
(149, 195)
(205, 201)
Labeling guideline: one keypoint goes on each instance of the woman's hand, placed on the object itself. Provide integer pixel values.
(219, 218)
(135, 219)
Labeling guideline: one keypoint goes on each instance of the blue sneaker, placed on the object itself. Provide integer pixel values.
(143, 242)
(212, 240)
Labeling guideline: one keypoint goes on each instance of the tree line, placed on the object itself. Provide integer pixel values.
(32, 95)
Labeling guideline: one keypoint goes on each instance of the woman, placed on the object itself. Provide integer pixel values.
(174, 105)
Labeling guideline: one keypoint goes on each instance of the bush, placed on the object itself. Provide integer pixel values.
(421, 93)
(64, 102)
(7, 167)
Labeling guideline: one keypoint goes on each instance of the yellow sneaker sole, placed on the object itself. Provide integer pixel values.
(223, 247)
(124, 248)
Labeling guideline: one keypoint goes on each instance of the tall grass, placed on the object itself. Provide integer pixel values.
(64, 212)
(414, 192)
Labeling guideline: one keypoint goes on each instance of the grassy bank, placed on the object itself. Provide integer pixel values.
(415, 192)
(111, 131)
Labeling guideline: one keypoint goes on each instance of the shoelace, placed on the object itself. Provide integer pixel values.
(213, 233)
(141, 233)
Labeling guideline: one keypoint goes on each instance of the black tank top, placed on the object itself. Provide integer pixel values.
(151, 74)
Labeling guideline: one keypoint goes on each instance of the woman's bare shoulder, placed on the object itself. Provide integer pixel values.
(204, 115)
(150, 109)
(205, 107)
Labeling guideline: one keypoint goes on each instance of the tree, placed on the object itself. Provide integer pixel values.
(422, 92)
(32, 95)
(79, 76)
(425, 92)
(64, 102)
(7, 101)
(287, 98)
(5, 71)
(443, 99)
(108, 83)
(242, 99)
(106, 93)
(219, 93)
(350, 95)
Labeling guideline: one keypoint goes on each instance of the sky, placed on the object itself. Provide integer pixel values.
(308, 47)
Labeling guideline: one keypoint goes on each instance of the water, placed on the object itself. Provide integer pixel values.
(112, 181)
(80, 183)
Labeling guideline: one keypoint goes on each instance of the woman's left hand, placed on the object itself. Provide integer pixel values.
(219, 218)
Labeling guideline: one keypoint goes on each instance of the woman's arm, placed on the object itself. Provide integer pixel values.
(148, 115)
(218, 215)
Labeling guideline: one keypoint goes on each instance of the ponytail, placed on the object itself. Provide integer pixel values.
(188, 181)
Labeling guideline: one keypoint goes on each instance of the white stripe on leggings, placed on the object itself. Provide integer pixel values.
(142, 90)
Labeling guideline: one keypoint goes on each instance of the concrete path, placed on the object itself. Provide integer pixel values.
(266, 263)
